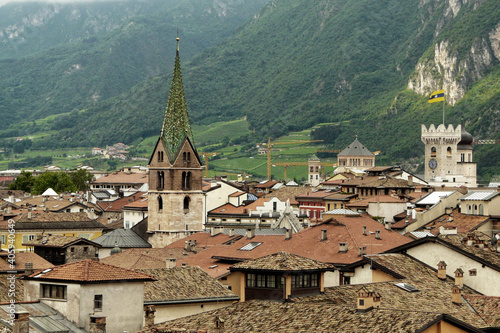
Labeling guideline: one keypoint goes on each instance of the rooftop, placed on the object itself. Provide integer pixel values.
(86, 271)
(122, 178)
(282, 261)
(141, 258)
(183, 284)
(125, 238)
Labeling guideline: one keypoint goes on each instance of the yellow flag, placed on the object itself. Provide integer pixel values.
(437, 96)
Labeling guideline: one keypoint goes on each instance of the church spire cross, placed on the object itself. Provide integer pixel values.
(176, 124)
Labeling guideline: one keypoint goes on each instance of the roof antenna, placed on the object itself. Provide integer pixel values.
(177, 41)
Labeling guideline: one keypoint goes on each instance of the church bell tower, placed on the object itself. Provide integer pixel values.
(175, 197)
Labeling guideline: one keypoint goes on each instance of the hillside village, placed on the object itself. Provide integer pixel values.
(369, 248)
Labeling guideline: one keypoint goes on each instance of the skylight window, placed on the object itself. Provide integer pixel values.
(250, 246)
(407, 287)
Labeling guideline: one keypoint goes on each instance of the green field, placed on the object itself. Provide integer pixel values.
(231, 159)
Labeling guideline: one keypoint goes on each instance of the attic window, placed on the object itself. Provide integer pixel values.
(250, 246)
(407, 287)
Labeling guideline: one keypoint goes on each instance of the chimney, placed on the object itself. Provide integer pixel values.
(171, 262)
(442, 270)
(324, 236)
(388, 225)
(364, 300)
(288, 234)
(410, 180)
(219, 324)
(456, 295)
(29, 213)
(9, 209)
(250, 233)
(361, 251)
(480, 244)
(149, 315)
(343, 247)
(28, 268)
(187, 245)
(97, 324)
(231, 232)
(364, 230)
(21, 322)
(377, 234)
(459, 277)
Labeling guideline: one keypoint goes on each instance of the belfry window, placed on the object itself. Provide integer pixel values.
(160, 156)
(161, 179)
(433, 152)
(186, 180)
(186, 156)
(186, 204)
(160, 203)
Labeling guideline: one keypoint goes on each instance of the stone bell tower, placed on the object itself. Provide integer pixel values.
(448, 156)
(175, 197)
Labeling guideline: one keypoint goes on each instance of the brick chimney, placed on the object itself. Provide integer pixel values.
(456, 295)
(97, 324)
(441, 270)
(459, 277)
(21, 322)
(324, 235)
(149, 315)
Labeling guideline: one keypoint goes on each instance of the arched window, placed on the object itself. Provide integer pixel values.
(448, 151)
(433, 152)
(481, 209)
(186, 180)
(161, 179)
(186, 204)
(160, 203)
(317, 169)
(475, 210)
(468, 209)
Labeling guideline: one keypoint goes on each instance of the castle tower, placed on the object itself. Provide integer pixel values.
(448, 156)
(175, 197)
(314, 165)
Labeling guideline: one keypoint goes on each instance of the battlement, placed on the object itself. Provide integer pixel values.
(442, 129)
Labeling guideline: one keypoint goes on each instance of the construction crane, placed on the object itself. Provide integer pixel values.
(269, 147)
(336, 151)
(206, 156)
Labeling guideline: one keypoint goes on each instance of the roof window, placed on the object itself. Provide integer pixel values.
(250, 246)
(407, 287)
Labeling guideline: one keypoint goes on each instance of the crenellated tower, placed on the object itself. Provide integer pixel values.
(448, 156)
(175, 197)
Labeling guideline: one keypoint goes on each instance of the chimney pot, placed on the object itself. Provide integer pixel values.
(377, 234)
(456, 295)
(250, 233)
(459, 277)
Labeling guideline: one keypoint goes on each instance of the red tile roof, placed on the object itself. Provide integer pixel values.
(462, 222)
(90, 271)
(123, 178)
(118, 204)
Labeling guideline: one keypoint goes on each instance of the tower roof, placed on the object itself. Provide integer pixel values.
(176, 126)
(356, 148)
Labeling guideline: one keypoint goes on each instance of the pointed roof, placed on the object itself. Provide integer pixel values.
(176, 126)
(356, 148)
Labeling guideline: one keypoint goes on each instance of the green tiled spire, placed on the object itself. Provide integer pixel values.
(176, 123)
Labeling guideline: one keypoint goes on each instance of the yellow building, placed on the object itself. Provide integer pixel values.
(27, 226)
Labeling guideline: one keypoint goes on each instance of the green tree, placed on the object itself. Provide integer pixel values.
(23, 182)
(58, 181)
(81, 179)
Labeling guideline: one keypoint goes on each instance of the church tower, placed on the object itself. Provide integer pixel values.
(448, 156)
(175, 197)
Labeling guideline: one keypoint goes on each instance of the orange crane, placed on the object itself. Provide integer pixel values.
(206, 156)
(269, 147)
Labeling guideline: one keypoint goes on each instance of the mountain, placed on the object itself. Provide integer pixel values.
(362, 66)
(59, 57)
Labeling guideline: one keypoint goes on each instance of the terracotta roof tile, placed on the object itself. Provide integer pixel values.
(123, 178)
(488, 307)
(282, 261)
(56, 241)
(140, 258)
(183, 283)
(267, 316)
(90, 271)
(373, 199)
(462, 222)
(21, 259)
(118, 204)
(42, 220)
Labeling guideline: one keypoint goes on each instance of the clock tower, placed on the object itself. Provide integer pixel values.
(448, 156)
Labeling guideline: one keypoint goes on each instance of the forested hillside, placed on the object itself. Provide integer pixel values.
(364, 66)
